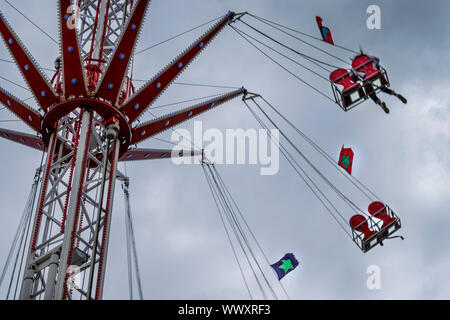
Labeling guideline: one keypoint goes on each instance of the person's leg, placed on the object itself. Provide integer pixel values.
(377, 100)
(392, 92)
(374, 97)
(387, 90)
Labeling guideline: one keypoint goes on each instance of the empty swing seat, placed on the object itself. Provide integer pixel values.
(388, 222)
(378, 210)
(351, 93)
(368, 232)
(375, 77)
(360, 224)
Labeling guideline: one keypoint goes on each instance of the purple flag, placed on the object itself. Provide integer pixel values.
(285, 265)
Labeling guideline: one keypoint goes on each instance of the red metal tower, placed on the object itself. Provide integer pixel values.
(86, 124)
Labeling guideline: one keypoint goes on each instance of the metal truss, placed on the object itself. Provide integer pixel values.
(92, 17)
(68, 248)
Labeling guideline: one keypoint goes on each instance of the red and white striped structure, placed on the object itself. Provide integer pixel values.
(86, 124)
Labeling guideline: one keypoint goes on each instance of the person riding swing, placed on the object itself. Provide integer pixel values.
(367, 68)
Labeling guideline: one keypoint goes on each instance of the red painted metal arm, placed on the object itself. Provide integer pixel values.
(159, 125)
(39, 85)
(137, 104)
(152, 154)
(21, 110)
(111, 83)
(23, 138)
(73, 70)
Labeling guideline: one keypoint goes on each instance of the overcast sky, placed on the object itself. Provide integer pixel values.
(404, 156)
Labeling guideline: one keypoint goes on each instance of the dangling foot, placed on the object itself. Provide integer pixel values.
(383, 106)
(402, 98)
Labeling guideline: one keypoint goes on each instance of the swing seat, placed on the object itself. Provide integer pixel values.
(387, 223)
(381, 224)
(364, 64)
(352, 91)
(375, 78)
(378, 210)
(360, 224)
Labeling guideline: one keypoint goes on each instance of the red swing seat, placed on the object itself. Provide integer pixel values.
(368, 232)
(378, 210)
(388, 222)
(352, 91)
(375, 78)
(359, 223)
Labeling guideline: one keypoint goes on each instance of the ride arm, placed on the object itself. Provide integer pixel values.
(31, 72)
(159, 125)
(23, 138)
(136, 104)
(74, 82)
(27, 114)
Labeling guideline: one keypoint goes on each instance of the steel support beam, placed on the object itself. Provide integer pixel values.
(74, 203)
(69, 211)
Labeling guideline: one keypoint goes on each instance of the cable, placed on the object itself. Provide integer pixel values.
(293, 50)
(204, 85)
(176, 36)
(216, 198)
(305, 34)
(228, 234)
(241, 232)
(26, 234)
(163, 140)
(297, 167)
(194, 84)
(184, 101)
(235, 219)
(290, 59)
(34, 24)
(14, 83)
(9, 61)
(193, 145)
(29, 207)
(132, 239)
(245, 222)
(304, 176)
(284, 68)
(170, 104)
(230, 197)
(349, 202)
(22, 223)
(351, 178)
(127, 239)
(303, 41)
(303, 173)
(238, 232)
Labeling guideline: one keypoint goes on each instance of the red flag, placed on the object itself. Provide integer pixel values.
(324, 31)
(346, 159)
